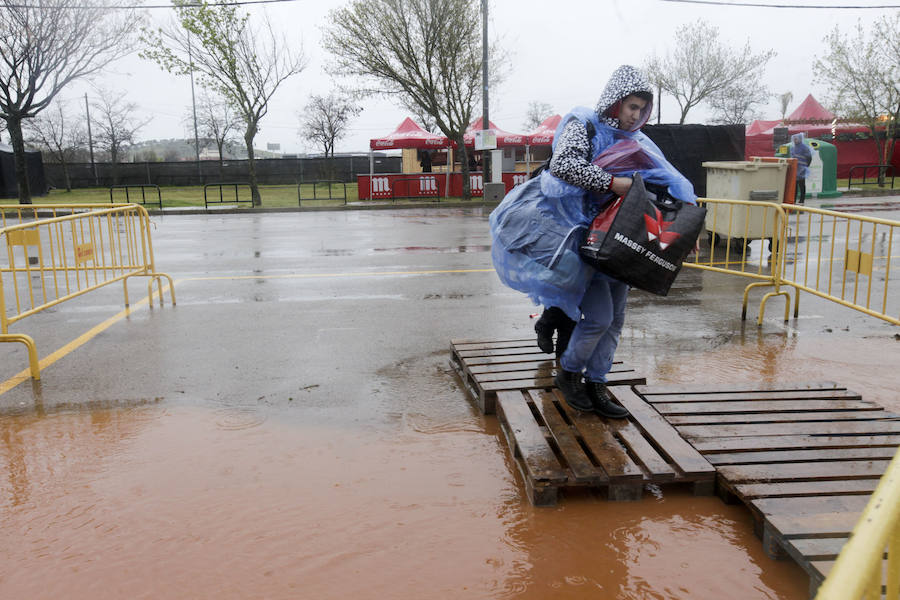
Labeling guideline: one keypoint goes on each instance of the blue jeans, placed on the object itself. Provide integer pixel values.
(593, 343)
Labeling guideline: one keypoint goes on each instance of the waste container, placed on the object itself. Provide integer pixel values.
(755, 180)
(822, 179)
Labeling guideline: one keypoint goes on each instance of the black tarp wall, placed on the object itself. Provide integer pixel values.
(8, 183)
(688, 146)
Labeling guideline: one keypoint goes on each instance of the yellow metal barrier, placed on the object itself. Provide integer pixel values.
(861, 570)
(58, 252)
(844, 258)
(745, 238)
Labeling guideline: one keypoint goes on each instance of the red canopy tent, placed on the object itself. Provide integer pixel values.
(504, 138)
(409, 135)
(543, 135)
(814, 120)
(811, 110)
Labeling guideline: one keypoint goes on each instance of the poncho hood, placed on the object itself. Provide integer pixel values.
(625, 81)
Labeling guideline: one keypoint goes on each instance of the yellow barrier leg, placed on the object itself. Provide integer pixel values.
(125, 288)
(747, 296)
(157, 277)
(762, 305)
(32, 351)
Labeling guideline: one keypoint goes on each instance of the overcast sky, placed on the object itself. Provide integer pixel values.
(561, 53)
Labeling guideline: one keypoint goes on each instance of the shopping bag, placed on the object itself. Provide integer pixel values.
(641, 239)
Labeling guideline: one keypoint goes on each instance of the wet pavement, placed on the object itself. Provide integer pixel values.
(292, 428)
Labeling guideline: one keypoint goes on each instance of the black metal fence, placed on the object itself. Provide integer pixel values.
(271, 171)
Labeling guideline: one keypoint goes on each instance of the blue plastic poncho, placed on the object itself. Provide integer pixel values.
(802, 153)
(538, 227)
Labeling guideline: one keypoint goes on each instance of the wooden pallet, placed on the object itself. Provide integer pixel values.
(804, 458)
(556, 447)
(489, 367)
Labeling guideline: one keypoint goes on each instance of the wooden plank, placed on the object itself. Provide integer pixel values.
(741, 443)
(810, 505)
(468, 355)
(617, 367)
(580, 465)
(796, 417)
(850, 469)
(750, 491)
(502, 360)
(530, 343)
(749, 386)
(536, 454)
(818, 548)
(470, 342)
(606, 449)
(663, 435)
(543, 382)
(822, 525)
(787, 456)
(755, 396)
(823, 428)
(656, 467)
(759, 406)
(544, 372)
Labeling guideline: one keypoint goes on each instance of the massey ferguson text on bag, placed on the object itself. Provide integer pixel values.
(643, 242)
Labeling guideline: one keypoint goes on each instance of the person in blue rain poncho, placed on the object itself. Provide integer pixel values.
(803, 154)
(537, 229)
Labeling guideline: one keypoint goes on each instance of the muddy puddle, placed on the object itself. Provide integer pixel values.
(171, 501)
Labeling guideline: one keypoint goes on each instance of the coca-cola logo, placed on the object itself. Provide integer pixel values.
(513, 139)
(434, 142)
(379, 143)
(541, 139)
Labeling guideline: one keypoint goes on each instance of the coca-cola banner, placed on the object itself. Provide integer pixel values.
(426, 185)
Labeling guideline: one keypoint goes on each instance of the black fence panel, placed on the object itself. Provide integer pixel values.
(688, 146)
(270, 171)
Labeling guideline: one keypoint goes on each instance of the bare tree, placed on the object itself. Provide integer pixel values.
(46, 45)
(785, 100)
(117, 127)
(536, 114)
(58, 134)
(701, 66)
(244, 64)
(424, 119)
(424, 53)
(325, 120)
(217, 122)
(737, 103)
(862, 71)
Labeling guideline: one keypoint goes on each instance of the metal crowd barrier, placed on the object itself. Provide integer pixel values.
(837, 256)
(844, 258)
(58, 252)
(861, 570)
(744, 238)
(315, 186)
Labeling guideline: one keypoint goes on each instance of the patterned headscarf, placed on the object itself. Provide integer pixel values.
(625, 81)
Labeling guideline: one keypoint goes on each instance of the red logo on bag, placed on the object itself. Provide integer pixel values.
(656, 229)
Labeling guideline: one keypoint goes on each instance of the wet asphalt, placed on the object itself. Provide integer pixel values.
(324, 312)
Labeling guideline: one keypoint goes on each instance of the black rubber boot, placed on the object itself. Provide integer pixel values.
(602, 403)
(572, 387)
(563, 335)
(544, 329)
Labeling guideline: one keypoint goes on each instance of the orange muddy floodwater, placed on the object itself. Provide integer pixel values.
(159, 499)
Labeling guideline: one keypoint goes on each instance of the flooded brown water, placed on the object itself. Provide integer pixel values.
(175, 502)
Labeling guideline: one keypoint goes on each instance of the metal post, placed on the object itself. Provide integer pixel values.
(87, 110)
(485, 120)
